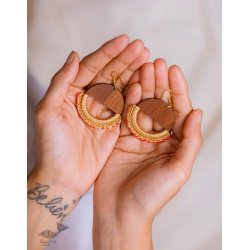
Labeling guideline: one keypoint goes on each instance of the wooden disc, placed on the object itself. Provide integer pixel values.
(108, 96)
(158, 111)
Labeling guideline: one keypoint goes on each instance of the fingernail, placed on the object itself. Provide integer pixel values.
(199, 118)
(71, 57)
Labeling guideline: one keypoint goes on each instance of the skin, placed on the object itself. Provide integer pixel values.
(133, 180)
(139, 178)
(70, 153)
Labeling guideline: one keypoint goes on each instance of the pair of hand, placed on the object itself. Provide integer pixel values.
(133, 179)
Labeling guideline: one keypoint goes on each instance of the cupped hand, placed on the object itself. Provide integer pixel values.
(70, 153)
(139, 178)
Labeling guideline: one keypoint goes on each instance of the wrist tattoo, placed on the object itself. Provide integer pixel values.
(53, 206)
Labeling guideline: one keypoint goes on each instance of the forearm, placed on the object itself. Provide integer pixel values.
(112, 234)
(48, 205)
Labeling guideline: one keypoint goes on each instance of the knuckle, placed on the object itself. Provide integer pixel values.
(91, 68)
(183, 174)
(61, 77)
(186, 174)
(199, 140)
(56, 76)
(106, 53)
(180, 113)
(105, 76)
(122, 62)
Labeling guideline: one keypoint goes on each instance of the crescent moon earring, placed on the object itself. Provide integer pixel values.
(158, 110)
(107, 94)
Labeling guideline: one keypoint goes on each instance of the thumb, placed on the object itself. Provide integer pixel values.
(60, 82)
(184, 157)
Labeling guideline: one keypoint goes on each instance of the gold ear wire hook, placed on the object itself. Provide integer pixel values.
(115, 79)
(169, 99)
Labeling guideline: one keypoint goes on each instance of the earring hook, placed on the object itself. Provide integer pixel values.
(169, 99)
(114, 80)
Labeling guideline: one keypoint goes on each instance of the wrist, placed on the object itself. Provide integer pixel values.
(38, 174)
(115, 232)
(51, 199)
(48, 206)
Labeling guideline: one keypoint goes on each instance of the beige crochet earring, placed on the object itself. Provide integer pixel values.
(107, 94)
(158, 110)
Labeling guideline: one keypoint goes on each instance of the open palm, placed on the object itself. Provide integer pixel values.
(139, 177)
(70, 152)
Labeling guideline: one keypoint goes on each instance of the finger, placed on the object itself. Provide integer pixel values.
(134, 78)
(59, 85)
(184, 158)
(133, 97)
(133, 67)
(161, 84)
(147, 80)
(94, 62)
(182, 105)
(120, 64)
